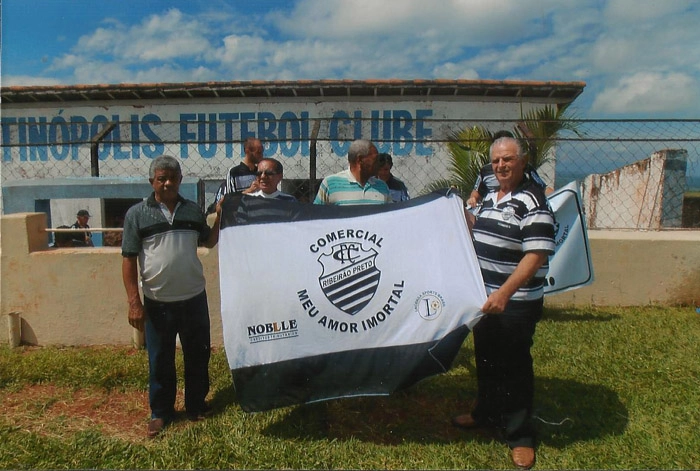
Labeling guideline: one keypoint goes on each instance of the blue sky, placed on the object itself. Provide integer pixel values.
(639, 58)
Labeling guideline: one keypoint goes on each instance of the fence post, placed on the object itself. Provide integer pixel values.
(312, 160)
(138, 339)
(94, 153)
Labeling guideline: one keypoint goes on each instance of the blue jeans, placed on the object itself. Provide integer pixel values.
(164, 321)
(504, 371)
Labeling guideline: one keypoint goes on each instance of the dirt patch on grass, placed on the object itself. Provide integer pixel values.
(54, 411)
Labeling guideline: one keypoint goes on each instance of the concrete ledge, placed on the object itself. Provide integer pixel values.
(634, 268)
(75, 296)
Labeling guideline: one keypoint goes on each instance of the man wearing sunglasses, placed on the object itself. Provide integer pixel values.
(268, 177)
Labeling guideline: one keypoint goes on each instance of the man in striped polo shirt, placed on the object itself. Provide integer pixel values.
(357, 184)
(513, 238)
(161, 235)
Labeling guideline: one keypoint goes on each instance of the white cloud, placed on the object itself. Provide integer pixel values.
(157, 38)
(631, 12)
(465, 22)
(648, 92)
(27, 80)
(618, 47)
(456, 71)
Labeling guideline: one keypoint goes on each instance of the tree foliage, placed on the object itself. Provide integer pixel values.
(469, 147)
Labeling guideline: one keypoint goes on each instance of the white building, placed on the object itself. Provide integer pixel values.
(47, 132)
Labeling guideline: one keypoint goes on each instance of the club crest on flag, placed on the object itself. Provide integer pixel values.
(350, 276)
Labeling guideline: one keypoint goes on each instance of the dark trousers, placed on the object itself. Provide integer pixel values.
(164, 321)
(504, 371)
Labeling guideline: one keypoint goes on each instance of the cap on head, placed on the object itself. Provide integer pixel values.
(83, 212)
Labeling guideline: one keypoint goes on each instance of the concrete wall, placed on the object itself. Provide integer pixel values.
(647, 194)
(72, 296)
(76, 297)
(633, 268)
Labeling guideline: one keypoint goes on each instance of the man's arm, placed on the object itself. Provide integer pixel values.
(322, 194)
(130, 277)
(526, 269)
(213, 238)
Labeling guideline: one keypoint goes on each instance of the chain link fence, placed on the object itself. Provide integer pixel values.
(618, 153)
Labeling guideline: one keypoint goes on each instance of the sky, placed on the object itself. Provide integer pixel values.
(638, 58)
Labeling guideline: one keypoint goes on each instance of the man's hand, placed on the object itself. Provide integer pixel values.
(131, 278)
(255, 186)
(495, 303)
(526, 269)
(136, 315)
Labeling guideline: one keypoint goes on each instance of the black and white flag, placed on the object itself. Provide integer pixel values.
(322, 302)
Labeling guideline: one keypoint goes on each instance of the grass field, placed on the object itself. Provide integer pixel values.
(616, 388)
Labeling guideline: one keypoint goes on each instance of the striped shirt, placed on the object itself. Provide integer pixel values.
(343, 189)
(167, 249)
(506, 230)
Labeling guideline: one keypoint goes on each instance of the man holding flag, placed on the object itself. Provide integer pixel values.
(513, 238)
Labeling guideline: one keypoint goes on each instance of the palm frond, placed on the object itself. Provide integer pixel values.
(469, 148)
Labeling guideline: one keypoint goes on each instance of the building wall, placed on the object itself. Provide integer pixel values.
(76, 296)
(206, 134)
(647, 194)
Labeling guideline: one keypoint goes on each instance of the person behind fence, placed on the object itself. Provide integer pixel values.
(397, 188)
(63, 239)
(160, 240)
(487, 181)
(513, 237)
(269, 175)
(357, 184)
(242, 176)
(84, 238)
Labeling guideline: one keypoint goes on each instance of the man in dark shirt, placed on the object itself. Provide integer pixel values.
(397, 188)
(82, 239)
(242, 176)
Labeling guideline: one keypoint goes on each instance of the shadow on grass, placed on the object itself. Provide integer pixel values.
(421, 414)
(568, 411)
(577, 315)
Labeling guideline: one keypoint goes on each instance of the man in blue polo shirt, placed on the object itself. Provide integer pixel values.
(357, 184)
(161, 236)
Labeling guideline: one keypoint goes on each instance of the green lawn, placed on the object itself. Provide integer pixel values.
(615, 389)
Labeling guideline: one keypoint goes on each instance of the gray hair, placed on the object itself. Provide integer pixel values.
(507, 139)
(164, 162)
(359, 148)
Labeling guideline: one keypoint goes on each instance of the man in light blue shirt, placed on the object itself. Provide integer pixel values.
(357, 184)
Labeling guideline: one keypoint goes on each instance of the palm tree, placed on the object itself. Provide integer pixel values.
(539, 129)
(469, 148)
(469, 151)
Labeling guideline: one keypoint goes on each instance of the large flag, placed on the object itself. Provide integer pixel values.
(322, 302)
(571, 266)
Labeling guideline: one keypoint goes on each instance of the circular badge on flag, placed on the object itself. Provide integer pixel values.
(429, 305)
